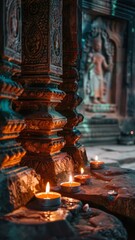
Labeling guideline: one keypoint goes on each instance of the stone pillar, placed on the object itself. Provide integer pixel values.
(70, 84)
(40, 77)
(17, 184)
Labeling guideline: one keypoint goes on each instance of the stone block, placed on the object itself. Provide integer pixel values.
(17, 187)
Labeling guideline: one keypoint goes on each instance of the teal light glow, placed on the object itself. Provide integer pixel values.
(114, 6)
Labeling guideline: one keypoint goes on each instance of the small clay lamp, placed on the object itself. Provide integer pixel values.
(96, 164)
(71, 186)
(48, 200)
(82, 178)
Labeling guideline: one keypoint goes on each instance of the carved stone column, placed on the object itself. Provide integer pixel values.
(17, 184)
(70, 84)
(41, 76)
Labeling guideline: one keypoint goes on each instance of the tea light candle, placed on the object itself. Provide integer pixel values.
(82, 178)
(96, 164)
(48, 199)
(70, 186)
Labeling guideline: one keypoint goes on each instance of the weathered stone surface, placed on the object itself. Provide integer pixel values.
(53, 168)
(70, 84)
(17, 187)
(122, 181)
(71, 221)
(99, 225)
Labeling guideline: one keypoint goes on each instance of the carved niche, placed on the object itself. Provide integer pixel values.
(102, 64)
(12, 28)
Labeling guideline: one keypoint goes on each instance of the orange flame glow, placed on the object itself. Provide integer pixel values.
(47, 187)
(82, 170)
(70, 178)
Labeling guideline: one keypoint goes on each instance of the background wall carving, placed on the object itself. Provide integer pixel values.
(12, 31)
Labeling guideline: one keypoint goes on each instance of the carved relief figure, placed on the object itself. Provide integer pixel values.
(96, 67)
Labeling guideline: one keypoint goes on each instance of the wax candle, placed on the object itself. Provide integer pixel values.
(96, 164)
(70, 186)
(82, 178)
(48, 199)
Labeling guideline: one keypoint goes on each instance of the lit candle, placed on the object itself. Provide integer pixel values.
(70, 186)
(96, 164)
(82, 178)
(112, 192)
(48, 199)
(132, 132)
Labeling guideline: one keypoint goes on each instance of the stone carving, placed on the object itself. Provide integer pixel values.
(99, 63)
(35, 33)
(17, 187)
(11, 124)
(56, 34)
(69, 85)
(96, 84)
(109, 37)
(12, 29)
(42, 36)
(41, 76)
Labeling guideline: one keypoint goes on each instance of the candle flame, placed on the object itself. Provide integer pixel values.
(47, 187)
(96, 158)
(132, 132)
(70, 179)
(82, 170)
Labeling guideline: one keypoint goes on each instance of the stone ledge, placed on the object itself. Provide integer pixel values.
(71, 221)
(110, 178)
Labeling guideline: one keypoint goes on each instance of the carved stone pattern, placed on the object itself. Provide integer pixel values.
(38, 79)
(71, 98)
(54, 168)
(73, 120)
(11, 123)
(12, 28)
(46, 146)
(69, 85)
(56, 32)
(11, 156)
(35, 33)
(17, 187)
(9, 89)
(44, 93)
(71, 137)
(44, 125)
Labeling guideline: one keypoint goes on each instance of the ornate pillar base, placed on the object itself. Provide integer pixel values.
(53, 168)
(79, 156)
(17, 187)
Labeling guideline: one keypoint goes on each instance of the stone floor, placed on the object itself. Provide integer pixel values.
(114, 155)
